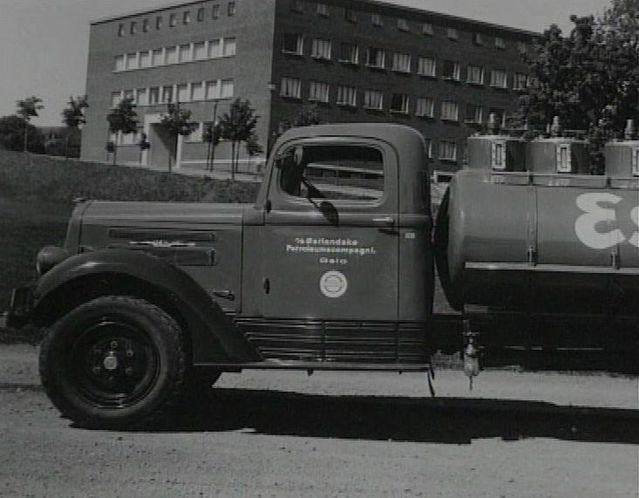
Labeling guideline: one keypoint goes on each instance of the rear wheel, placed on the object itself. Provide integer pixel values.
(113, 362)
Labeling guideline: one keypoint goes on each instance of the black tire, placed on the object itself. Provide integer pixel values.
(114, 362)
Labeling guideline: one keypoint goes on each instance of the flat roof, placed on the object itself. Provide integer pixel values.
(378, 3)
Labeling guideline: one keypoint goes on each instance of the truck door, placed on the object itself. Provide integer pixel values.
(330, 242)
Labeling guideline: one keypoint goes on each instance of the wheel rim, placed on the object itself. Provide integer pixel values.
(113, 364)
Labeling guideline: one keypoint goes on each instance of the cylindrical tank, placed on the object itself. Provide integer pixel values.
(542, 240)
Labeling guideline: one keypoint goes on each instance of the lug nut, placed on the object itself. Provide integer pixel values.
(129, 353)
(96, 370)
(114, 344)
(128, 371)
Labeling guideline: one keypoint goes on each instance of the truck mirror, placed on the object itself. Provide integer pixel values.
(298, 155)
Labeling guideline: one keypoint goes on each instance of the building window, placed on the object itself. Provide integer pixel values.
(229, 47)
(185, 53)
(375, 58)
(348, 53)
(521, 81)
(498, 78)
(322, 9)
(500, 42)
(447, 151)
(228, 88)
(296, 5)
(427, 29)
(426, 66)
(318, 92)
(121, 29)
(231, 9)
(374, 99)
(142, 97)
(199, 51)
(401, 62)
(215, 49)
(475, 75)
(171, 55)
(347, 96)
(498, 112)
(376, 20)
(158, 22)
(116, 98)
(425, 107)
(200, 14)
(197, 91)
(172, 20)
(478, 39)
(402, 25)
(132, 60)
(450, 111)
(321, 49)
(291, 88)
(293, 44)
(429, 147)
(154, 95)
(134, 28)
(522, 48)
(474, 114)
(167, 94)
(145, 25)
(452, 33)
(182, 92)
(145, 59)
(399, 103)
(350, 15)
(215, 13)
(451, 70)
(157, 57)
(119, 63)
(212, 90)
(186, 17)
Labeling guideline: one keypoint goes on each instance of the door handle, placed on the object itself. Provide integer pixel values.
(384, 220)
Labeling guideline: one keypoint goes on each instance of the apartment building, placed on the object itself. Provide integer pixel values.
(355, 60)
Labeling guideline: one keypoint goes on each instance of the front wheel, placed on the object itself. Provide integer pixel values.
(113, 362)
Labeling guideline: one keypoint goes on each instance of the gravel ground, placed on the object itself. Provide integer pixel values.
(336, 434)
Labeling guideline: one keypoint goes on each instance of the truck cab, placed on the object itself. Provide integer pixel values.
(330, 268)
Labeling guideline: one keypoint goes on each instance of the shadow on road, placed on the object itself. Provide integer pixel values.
(444, 420)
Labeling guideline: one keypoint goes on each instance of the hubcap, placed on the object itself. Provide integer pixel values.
(113, 363)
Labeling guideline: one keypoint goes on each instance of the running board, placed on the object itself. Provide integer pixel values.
(326, 366)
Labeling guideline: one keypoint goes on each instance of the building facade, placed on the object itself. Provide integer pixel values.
(353, 60)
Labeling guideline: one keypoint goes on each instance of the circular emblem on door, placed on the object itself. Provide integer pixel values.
(333, 284)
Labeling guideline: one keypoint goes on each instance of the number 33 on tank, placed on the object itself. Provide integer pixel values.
(597, 226)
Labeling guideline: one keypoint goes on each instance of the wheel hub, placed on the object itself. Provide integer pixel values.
(110, 361)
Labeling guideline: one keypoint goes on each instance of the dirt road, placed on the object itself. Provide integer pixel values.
(333, 434)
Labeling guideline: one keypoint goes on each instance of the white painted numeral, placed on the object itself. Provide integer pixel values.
(596, 217)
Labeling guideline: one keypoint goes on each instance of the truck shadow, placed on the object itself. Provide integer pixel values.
(438, 420)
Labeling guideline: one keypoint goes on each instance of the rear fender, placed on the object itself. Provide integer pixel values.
(209, 328)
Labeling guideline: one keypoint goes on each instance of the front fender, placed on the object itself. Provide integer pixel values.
(209, 327)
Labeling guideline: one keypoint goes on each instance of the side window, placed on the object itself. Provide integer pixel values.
(333, 172)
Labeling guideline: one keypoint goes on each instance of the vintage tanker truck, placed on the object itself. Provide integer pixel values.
(333, 268)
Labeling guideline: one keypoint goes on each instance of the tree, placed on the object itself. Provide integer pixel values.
(12, 135)
(589, 79)
(122, 119)
(27, 109)
(212, 136)
(177, 122)
(73, 117)
(237, 126)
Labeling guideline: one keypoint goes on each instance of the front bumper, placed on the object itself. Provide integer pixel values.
(20, 308)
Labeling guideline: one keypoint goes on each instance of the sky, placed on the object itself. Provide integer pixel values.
(45, 42)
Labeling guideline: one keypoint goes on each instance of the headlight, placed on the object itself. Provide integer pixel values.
(48, 257)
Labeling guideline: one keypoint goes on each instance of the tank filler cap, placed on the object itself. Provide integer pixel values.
(555, 128)
(629, 132)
